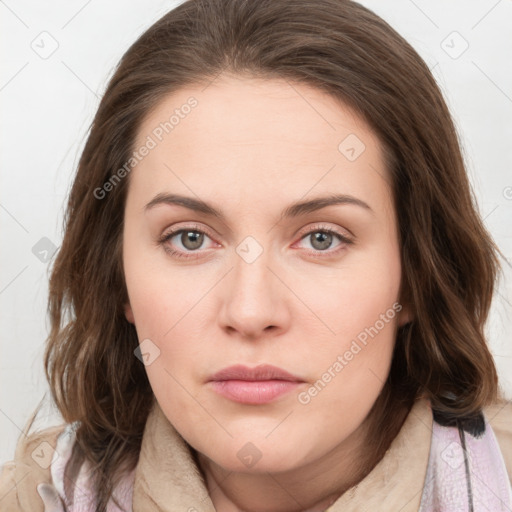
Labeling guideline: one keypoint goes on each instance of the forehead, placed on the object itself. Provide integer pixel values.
(255, 135)
(245, 110)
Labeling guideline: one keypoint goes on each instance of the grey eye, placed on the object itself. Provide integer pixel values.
(191, 240)
(321, 240)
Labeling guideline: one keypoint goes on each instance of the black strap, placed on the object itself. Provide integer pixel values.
(474, 425)
(469, 488)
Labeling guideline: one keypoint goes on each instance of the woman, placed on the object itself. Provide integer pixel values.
(273, 284)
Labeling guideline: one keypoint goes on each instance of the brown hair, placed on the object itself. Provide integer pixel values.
(449, 260)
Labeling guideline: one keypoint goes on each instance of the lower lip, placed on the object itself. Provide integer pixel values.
(253, 392)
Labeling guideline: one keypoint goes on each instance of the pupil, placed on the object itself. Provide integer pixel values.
(192, 239)
(322, 240)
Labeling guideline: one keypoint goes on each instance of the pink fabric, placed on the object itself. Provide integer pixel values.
(84, 498)
(445, 488)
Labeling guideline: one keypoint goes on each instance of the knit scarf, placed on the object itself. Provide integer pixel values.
(429, 467)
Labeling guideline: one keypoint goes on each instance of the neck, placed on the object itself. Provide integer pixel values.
(308, 488)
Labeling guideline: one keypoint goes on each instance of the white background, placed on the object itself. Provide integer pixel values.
(48, 103)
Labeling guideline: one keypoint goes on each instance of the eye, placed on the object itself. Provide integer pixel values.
(321, 239)
(191, 239)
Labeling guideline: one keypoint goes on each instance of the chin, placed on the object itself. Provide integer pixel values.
(266, 464)
(253, 457)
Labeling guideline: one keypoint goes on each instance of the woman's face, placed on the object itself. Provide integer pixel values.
(312, 289)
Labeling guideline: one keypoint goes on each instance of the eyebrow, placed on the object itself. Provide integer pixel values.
(294, 210)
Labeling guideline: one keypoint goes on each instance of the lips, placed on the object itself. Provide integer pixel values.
(253, 386)
(263, 372)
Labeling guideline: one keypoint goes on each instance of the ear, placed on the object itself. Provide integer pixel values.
(404, 316)
(128, 313)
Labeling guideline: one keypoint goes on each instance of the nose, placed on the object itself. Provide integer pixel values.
(253, 299)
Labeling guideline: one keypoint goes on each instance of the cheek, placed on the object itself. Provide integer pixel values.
(351, 297)
(359, 304)
(158, 297)
(167, 320)
(351, 372)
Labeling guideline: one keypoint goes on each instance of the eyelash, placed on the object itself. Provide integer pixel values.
(196, 229)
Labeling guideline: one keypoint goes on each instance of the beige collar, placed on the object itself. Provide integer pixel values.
(396, 482)
(167, 478)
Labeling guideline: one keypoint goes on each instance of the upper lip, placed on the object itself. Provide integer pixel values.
(260, 372)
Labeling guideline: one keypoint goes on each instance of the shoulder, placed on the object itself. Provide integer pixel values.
(499, 415)
(31, 466)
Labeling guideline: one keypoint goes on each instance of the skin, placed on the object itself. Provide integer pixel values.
(251, 148)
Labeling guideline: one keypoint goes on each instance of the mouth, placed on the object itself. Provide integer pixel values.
(254, 386)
